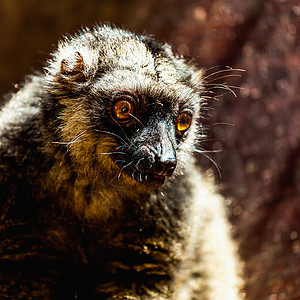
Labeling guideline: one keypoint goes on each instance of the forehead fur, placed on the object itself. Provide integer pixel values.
(140, 84)
(104, 49)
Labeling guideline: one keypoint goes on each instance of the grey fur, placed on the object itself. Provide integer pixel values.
(82, 214)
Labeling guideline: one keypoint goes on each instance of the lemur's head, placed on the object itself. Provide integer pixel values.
(127, 107)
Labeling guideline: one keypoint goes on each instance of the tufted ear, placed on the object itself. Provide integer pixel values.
(73, 68)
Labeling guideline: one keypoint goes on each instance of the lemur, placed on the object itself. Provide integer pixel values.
(100, 197)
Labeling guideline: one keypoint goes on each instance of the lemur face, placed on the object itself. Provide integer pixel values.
(148, 130)
(126, 110)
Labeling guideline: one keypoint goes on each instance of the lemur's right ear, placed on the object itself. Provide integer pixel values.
(74, 68)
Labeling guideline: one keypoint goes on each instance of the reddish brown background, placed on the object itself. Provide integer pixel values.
(260, 160)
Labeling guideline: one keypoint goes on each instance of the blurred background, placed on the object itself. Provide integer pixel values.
(258, 130)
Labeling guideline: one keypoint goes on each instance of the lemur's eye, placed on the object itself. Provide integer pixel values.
(183, 122)
(122, 109)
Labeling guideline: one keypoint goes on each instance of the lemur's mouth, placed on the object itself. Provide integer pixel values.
(155, 178)
(160, 177)
(137, 171)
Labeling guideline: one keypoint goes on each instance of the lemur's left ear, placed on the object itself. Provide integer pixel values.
(73, 67)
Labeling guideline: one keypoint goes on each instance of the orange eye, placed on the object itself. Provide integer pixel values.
(123, 109)
(183, 122)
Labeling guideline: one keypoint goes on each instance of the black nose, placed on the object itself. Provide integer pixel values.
(165, 167)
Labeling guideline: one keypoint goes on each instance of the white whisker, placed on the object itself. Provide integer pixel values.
(221, 71)
(124, 168)
(75, 139)
(113, 134)
(113, 152)
(204, 153)
(133, 116)
(223, 123)
(224, 87)
(208, 151)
